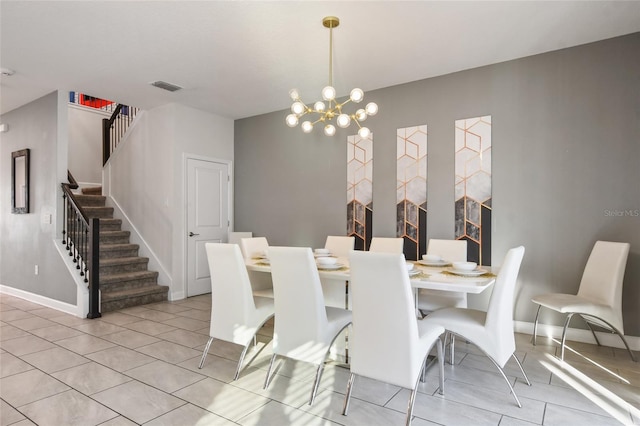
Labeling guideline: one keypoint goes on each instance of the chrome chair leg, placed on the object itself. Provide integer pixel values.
(521, 369)
(592, 332)
(206, 351)
(316, 384)
(347, 397)
(412, 400)
(504, 376)
(440, 350)
(564, 335)
(535, 325)
(242, 355)
(452, 349)
(269, 371)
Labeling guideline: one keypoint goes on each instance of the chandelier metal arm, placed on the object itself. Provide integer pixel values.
(334, 108)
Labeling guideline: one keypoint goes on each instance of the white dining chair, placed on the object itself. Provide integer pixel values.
(491, 331)
(599, 298)
(340, 246)
(251, 247)
(432, 300)
(387, 245)
(236, 315)
(304, 327)
(235, 237)
(452, 251)
(387, 342)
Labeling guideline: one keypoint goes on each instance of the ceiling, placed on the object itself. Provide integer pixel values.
(238, 59)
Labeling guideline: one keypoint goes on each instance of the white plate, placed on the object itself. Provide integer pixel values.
(414, 272)
(263, 260)
(331, 267)
(438, 263)
(474, 273)
(322, 254)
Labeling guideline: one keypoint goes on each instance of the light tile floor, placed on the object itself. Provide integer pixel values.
(140, 366)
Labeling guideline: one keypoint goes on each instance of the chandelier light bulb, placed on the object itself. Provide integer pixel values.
(361, 115)
(343, 121)
(292, 120)
(297, 108)
(319, 106)
(307, 127)
(328, 93)
(356, 95)
(329, 130)
(294, 94)
(371, 108)
(364, 132)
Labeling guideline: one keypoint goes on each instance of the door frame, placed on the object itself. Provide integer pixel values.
(183, 211)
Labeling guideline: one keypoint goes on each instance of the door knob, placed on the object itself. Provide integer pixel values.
(191, 234)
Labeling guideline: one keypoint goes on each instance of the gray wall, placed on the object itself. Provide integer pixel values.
(566, 145)
(25, 240)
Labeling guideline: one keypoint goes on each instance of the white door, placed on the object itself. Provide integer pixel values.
(207, 218)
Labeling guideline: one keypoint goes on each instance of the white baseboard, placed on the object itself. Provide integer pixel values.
(176, 295)
(577, 335)
(40, 300)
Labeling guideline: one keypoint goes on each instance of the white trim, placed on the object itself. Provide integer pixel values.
(41, 300)
(85, 108)
(577, 335)
(183, 243)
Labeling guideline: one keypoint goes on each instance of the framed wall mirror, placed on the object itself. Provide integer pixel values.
(20, 181)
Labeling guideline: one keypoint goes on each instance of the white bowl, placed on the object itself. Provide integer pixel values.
(322, 251)
(326, 261)
(409, 266)
(431, 257)
(464, 266)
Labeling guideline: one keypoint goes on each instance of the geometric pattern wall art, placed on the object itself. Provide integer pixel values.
(473, 187)
(411, 190)
(360, 189)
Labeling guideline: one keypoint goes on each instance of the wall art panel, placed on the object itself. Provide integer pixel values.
(360, 189)
(411, 190)
(473, 186)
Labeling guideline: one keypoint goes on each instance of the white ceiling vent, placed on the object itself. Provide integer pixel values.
(166, 86)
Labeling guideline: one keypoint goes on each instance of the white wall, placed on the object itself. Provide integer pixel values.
(85, 144)
(146, 179)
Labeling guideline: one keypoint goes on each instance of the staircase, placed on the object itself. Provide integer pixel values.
(125, 280)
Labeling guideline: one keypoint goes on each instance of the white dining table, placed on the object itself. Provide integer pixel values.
(429, 277)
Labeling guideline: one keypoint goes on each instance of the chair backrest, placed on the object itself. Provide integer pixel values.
(386, 245)
(340, 246)
(451, 250)
(232, 301)
(499, 321)
(251, 246)
(603, 275)
(235, 237)
(384, 323)
(301, 318)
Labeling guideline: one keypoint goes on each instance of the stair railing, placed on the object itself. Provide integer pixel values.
(81, 236)
(115, 127)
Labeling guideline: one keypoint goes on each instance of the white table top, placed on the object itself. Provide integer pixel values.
(431, 278)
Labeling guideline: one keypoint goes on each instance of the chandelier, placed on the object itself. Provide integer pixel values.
(326, 113)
